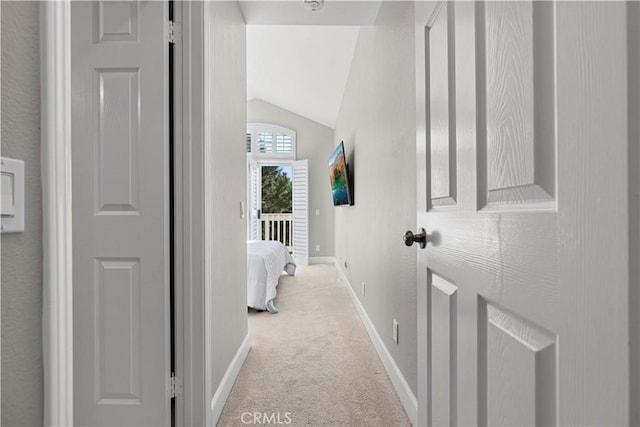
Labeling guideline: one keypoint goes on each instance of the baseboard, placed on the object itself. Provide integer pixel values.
(229, 378)
(405, 393)
(322, 260)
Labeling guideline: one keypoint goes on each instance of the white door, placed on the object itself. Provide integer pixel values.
(120, 213)
(522, 177)
(254, 202)
(301, 212)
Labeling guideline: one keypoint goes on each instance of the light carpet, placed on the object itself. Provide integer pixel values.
(312, 364)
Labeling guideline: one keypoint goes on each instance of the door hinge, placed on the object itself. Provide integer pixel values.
(172, 32)
(172, 390)
(175, 386)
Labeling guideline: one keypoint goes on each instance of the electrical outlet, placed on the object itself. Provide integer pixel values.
(363, 288)
(317, 248)
(395, 331)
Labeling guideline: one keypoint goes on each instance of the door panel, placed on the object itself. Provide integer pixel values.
(118, 327)
(443, 303)
(511, 227)
(116, 115)
(518, 132)
(120, 213)
(442, 119)
(520, 370)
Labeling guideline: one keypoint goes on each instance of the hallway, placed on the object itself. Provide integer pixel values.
(312, 363)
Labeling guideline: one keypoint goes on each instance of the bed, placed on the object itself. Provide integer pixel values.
(266, 260)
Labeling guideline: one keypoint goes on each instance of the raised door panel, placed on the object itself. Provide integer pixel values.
(117, 326)
(116, 21)
(519, 370)
(517, 104)
(117, 95)
(442, 124)
(444, 311)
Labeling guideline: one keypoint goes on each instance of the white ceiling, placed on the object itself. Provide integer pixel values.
(302, 69)
(298, 59)
(294, 12)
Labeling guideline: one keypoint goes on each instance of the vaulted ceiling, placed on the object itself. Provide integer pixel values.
(299, 59)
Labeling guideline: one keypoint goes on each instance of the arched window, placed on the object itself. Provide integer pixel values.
(266, 140)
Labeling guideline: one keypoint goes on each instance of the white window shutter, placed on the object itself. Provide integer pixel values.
(253, 201)
(301, 212)
(268, 141)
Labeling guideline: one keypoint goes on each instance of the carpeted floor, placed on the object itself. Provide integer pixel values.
(312, 364)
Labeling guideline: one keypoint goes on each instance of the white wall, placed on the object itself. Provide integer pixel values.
(377, 124)
(21, 259)
(314, 142)
(227, 164)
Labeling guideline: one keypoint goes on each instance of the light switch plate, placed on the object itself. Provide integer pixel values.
(11, 195)
(7, 199)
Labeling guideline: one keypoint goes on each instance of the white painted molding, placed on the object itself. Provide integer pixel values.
(207, 54)
(192, 407)
(57, 319)
(407, 397)
(229, 378)
(322, 260)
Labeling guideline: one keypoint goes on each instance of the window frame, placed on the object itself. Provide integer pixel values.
(253, 129)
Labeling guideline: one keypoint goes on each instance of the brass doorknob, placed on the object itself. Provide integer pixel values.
(421, 237)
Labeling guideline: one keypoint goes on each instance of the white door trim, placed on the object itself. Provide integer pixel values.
(55, 19)
(55, 55)
(206, 371)
(191, 194)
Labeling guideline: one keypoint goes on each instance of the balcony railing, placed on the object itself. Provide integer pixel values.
(278, 226)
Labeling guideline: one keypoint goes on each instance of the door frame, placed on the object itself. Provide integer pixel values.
(192, 194)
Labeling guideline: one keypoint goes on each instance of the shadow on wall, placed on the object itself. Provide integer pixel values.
(351, 155)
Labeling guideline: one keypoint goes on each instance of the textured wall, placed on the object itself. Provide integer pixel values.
(377, 124)
(634, 205)
(227, 97)
(314, 142)
(22, 371)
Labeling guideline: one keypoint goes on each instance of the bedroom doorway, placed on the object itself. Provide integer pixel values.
(277, 189)
(277, 200)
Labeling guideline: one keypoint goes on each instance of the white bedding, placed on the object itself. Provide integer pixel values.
(266, 260)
